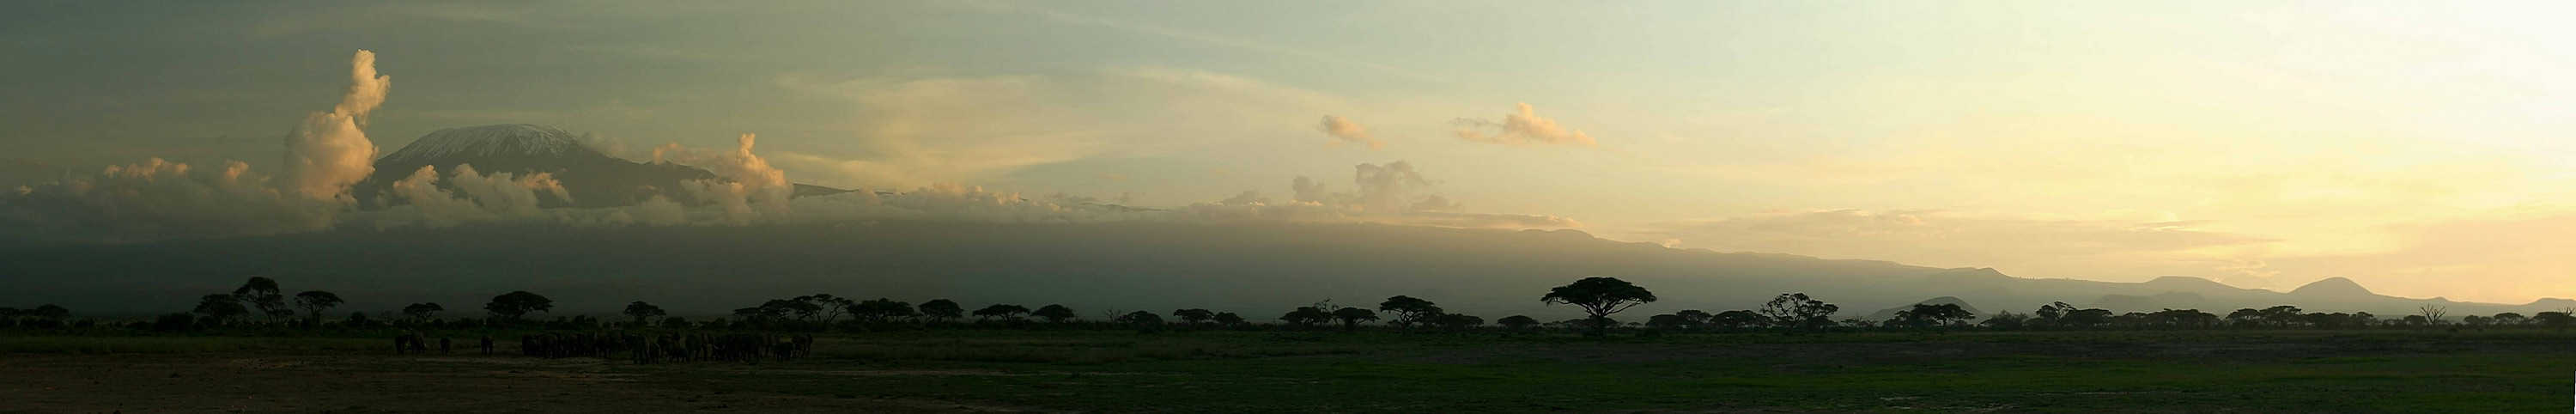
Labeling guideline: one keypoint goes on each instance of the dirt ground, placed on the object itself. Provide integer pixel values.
(332, 383)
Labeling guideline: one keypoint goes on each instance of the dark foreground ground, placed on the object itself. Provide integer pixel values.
(1264, 372)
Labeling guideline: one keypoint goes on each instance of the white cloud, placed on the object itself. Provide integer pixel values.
(1521, 128)
(1343, 130)
(330, 151)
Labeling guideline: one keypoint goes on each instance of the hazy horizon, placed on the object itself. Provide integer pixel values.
(2414, 148)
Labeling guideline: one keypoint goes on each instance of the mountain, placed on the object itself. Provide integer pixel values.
(2333, 287)
(592, 178)
(2150, 303)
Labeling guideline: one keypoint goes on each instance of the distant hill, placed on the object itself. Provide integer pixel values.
(1260, 269)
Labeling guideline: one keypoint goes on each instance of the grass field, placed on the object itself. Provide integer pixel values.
(1262, 372)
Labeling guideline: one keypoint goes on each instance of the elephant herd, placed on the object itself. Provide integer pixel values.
(744, 347)
(641, 348)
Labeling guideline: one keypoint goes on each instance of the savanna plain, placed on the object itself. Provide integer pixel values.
(1229, 371)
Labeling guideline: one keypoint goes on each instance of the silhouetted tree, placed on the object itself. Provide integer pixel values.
(2511, 319)
(1928, 315)
(2558, 320)
(1457, 322)
(262, 294)
(1055, 313)
(1738, 319)
(942, 310)
(1599, 297)
(1407, 311)
(516, 304)
(1797, 311)
(1140, 319)
(2280, 316)
(881, 310)
(1667, 321)
(1351, 317)
(1694, 319)
(1229, 319)
(49, 312)
(2183, 318)
(1517, 322)
(828, 308)
(420, 312)
(1194, 317)
(1006, 312)
(316, 301)
(2005, 320)
(642, 311)
(1307, 316)
(221, 307)
(2434, 315)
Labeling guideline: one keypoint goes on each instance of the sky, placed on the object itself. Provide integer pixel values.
(2421, 149)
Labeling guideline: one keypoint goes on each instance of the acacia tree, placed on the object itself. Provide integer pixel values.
(1738, 319)
(827, 308)
(881, 310)
(1055, 313)
(221, 307)
(1228, 319)
(1006, 312)
(1797, 311)
(1307, 316)
(420, 312)
(2558, 320)
(262, 294)
(642, 311)
(1600, 297)
(1517, 322)
(1408, 311)
(1351, 317)
(511, 306)
(1929, 315)
(2434, 314)
(1141, 319)
(316, 301)
(942, 310)
(1457, 322)
(1193, 316)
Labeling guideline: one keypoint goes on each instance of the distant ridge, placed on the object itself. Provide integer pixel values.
(2333, 287)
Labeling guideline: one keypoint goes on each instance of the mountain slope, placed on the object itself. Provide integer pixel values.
(593, 179)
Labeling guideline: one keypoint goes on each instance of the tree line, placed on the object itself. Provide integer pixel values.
(260, 301)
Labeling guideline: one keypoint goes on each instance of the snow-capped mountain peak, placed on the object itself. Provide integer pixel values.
(489, 140)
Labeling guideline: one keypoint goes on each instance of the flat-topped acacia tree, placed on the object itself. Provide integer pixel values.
(1599, 297)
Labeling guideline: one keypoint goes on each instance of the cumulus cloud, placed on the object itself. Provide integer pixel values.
(750, 192)
(329, 151)
(158, 198)
(1343, 131)
(1522, 128)
(476, 196)
(325, 154)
